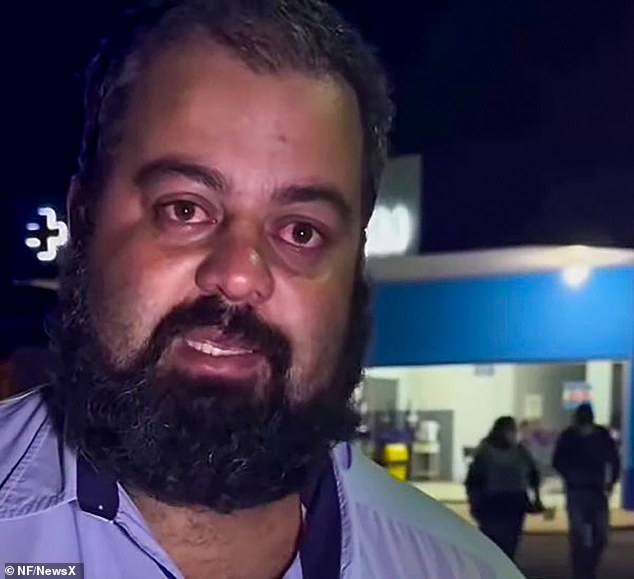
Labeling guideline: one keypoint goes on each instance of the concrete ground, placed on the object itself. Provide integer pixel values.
(557, 523)
(544, 549)
(546, 557)
(454, 496)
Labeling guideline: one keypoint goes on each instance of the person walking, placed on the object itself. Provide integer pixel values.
(503, 485)
(587, 458)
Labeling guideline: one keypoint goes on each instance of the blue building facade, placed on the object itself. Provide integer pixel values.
(521, 318)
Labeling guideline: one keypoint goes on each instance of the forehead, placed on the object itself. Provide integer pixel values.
(198, 102)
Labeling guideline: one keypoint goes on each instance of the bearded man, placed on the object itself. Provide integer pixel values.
(213, 318)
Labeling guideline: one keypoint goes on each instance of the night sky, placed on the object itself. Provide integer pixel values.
(522, 110)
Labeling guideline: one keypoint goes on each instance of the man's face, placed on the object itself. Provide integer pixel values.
(238, 185)
(213, 322)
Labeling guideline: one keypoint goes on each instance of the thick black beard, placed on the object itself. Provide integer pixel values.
(190, 442)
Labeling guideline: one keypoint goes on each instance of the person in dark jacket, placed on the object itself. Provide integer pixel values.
(503, 485)
(587, 458)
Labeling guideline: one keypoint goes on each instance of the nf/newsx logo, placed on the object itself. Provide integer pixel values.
(44, 570)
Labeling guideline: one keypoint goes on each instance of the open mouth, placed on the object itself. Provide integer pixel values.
(215, 350)
(208, 352)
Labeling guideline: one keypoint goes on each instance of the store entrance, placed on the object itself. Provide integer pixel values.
(424, 423)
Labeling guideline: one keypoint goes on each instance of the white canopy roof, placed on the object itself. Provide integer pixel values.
(496, 262)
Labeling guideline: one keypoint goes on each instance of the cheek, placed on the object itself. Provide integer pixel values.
(121, 314)
(131, 290)
(314, 315)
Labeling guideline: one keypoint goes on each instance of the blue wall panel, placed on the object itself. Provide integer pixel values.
(521, 319)
(535, 318)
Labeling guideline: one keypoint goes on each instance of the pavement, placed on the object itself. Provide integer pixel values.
(453, 495)
(544, 556)
(557, 523)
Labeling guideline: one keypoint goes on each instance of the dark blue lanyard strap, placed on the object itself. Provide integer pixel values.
(97, 491)
(321, 547)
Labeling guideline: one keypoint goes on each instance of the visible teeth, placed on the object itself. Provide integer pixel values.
(212, 350)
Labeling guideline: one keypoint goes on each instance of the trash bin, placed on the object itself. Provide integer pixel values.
(396, 460)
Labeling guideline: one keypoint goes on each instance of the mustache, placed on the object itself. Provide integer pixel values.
(235, 322)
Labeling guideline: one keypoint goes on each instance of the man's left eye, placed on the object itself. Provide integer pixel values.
(185, 212)
(302, 235)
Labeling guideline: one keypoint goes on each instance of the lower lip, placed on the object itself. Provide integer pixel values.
(238, 367)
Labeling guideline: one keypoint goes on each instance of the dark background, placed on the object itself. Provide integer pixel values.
(522, 111)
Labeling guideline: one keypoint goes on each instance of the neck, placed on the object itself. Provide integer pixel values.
(258, 543)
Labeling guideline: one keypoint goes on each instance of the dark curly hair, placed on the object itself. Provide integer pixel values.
(267, 35)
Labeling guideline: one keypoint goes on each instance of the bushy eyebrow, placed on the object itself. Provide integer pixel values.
(214, 179)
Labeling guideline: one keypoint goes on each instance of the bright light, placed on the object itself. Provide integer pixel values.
(56, 238)
(576, 276)
(390, 231)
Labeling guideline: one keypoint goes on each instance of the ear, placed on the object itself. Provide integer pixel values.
(76, 207)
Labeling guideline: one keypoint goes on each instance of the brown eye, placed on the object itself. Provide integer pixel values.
(302, 235)
(185, 212)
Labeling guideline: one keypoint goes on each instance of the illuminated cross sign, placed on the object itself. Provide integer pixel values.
(47, 238)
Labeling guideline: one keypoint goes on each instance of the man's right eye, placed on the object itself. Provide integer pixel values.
(184, 212)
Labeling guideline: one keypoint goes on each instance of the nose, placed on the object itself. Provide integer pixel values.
(236, 268)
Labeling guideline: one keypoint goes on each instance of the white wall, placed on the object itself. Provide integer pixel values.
(599, 376)
(546, 381)
(475, 400)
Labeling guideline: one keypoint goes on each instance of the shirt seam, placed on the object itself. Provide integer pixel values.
(24, 463)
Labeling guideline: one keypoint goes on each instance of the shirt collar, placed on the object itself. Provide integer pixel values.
(45, 475)
(320, 553)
